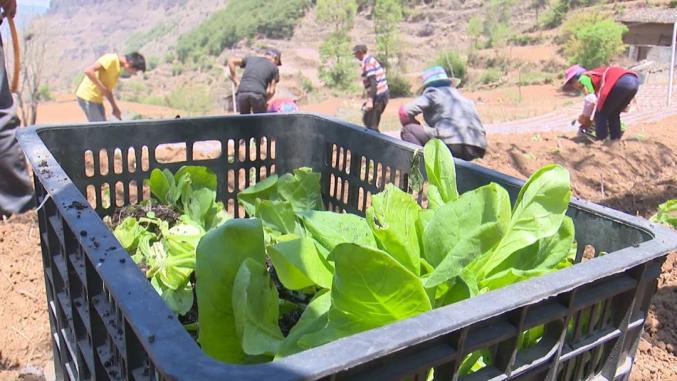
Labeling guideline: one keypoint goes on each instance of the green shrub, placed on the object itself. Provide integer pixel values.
(591, 39)
(454, 64)
(496, 23)
(398, 86)
(136, 116)
(474, 30)
(138, 40)
(306, 84)
(337, 65)
(535, 78)
(238, 20)
(524, 39)
(156, 100)
(44, 93)
(492, 75)
(152, 63)
(170, 57)
(554, 16)
(558, 11)
(387, 17)
(177, 69)
(195, 99)
(205, 64)
(672, 4)
(339, 70)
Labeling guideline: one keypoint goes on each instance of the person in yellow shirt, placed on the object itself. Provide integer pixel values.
(99, 81)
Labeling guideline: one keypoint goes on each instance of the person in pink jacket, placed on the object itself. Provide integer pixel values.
(609, 90)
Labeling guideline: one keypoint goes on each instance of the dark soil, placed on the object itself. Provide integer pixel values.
(288, 320)
(163, 212)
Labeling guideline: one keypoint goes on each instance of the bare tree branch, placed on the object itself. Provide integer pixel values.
(33, 86)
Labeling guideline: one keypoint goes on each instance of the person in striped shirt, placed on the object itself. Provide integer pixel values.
(376, 87)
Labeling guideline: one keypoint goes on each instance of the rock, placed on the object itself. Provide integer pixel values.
(31, 373)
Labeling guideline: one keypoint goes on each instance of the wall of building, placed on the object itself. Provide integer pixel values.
(648, 34)
(660, 54)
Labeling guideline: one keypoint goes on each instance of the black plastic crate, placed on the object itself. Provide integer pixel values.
(107, 322)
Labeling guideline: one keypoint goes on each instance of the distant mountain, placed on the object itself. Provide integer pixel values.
(79, 31)
(26, 12)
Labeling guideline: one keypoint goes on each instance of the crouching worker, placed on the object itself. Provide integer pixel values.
(448, 115)
(609, 91)
(283, 105)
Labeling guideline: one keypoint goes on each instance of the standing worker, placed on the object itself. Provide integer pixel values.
(259, 80)
(376, 87)
(609, 90)
(448, 115)
(16, 193)
(99, 81)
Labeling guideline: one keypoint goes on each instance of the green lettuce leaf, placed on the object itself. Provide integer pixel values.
(278, 217)
(163, 186)
(463, 229)
(129, 232)
(463, 286)
(667, 213)
(440, 168)
(434, 197)
(180, 301)
(301, 189)
(265, 190)
(313, 319)
(200, 177)
(330, 229)
(220, 254)
(538, 214)
(299, 265)
(547, 252)
(370, 289)
(256, 311)
(392, 218)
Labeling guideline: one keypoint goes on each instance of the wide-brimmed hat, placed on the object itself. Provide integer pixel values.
(272, 52)
(435, 75)
(574, 71)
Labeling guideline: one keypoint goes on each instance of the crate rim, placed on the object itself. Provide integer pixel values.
(329, 358)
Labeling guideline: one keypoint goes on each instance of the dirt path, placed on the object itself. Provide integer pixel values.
(64, 109)
(650, 106)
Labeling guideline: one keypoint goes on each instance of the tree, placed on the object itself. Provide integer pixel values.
(496, 22)
(537, 5)
(592, 39)
(474, 30)
(33, 88)
(387, 16)
(336, 69)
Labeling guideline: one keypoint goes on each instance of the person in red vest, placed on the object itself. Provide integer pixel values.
(609, 90)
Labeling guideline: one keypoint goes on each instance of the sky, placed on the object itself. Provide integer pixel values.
(35, 3)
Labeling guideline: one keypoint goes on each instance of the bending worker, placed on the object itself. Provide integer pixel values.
(609, 90)
(100, 80)
(259, 80)
(448, 115)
